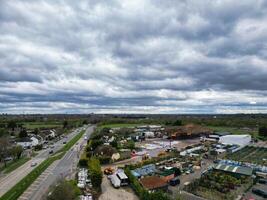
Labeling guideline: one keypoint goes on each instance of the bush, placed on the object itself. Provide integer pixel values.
(69, 189)
(83, 162)
(104, 159)
(95, 172)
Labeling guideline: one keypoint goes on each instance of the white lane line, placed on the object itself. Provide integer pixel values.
(69, 156)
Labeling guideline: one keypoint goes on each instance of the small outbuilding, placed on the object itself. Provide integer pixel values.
(153, 183)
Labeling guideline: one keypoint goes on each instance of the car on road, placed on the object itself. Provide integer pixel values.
(64, 142)
(33, 164)
(51, 151)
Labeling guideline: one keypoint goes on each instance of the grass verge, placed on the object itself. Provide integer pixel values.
(14, 165)
(22, 185)
(67, 146)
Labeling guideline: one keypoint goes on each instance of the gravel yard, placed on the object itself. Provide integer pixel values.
(110, 193)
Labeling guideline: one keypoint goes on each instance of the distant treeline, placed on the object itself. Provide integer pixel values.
(206, 120)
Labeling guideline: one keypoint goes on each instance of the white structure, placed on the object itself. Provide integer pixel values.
(52, 133)
(240, 140)
(190, 151)
(149, 134)
(82, 177)
(35, 141)
(123, 178)
(28, 142)
(115, 181)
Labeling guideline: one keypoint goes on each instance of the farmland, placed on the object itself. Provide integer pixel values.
(257, 155)
(121, 125)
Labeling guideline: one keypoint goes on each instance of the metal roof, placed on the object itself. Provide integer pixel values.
(234, 169)
(122, 175)
(145, 170)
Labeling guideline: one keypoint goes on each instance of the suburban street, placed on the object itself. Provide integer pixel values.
(63, 168)
(9, 180)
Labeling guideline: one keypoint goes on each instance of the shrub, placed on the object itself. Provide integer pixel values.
(95, 172)
(83, 162)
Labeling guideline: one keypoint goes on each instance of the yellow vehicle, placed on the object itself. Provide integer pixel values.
(108, 171)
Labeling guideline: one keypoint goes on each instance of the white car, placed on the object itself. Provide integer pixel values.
(33, 164)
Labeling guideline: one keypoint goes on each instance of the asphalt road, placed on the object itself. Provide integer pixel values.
(9, 180)
(64, 168)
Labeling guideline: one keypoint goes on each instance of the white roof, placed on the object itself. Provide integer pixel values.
(122, 175)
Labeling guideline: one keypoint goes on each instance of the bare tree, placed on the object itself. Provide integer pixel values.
(4, 150)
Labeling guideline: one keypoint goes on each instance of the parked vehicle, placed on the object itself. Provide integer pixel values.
(108, 171)
(263, 181)
(259, 192)
(175, 181)
(123, 178)
(115, 181)
(51, 151)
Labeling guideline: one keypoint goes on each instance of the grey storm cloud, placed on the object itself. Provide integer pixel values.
(133, 56)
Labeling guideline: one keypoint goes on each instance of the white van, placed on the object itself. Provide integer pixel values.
(115, 181)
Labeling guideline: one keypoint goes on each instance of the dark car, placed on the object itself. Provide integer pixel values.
(51, 151)
(263, 181)
(259, 192)
(175, 181)
(64, 142)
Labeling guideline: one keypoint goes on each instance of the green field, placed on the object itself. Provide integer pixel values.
(250, 154)
(14, 165)
(120, 125)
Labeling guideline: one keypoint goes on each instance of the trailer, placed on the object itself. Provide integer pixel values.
(115, 181)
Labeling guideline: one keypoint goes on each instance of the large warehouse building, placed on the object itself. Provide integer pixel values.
(240, 140)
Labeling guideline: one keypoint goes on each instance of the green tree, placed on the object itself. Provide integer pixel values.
(130, 145)
(4, 152)
(85, 122)
(95, 143)
(16, 151)
(114, 143)
(36, 131)
(95, 172)
(64, 191)
(65, 124)
(12, 125)
(263, 131)
(177, 123)
(23, 133)
(3, 132)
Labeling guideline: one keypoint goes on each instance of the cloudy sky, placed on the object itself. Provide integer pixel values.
(133, 56)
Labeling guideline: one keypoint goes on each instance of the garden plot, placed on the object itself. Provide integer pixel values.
(219, 186)
(256, 155)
